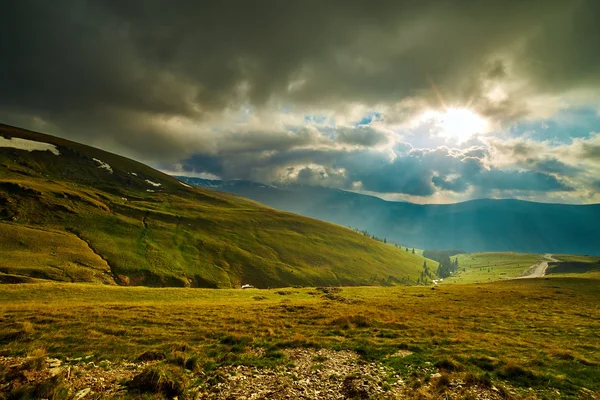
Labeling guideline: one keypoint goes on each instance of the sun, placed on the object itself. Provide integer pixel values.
(459, 124)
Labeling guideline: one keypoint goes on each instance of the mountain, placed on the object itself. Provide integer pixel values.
(477, 225)
(72, 212)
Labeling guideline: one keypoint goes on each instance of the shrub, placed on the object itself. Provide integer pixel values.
(152, 355)
(194, 363)
(162, 379)
(448, 364)
(484, 363)
(183, 347)
(233, 340)
(177, 358)
(51, 388)
(441, 383)
(518, 375)
(36, 361)
(358, 321)
(482, 380)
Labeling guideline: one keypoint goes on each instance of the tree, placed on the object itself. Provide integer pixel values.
(413, 250)
(424, 264)
(384, 240)
(407, 249)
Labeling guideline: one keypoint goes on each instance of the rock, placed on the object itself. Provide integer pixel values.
(436, 375)
(53, 362)
(82, 393)
(56, 371)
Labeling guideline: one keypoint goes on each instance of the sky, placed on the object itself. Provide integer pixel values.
(423, 101)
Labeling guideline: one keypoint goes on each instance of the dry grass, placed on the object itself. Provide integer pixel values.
(535, 333)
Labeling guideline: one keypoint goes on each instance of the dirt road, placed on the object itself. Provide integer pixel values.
(538, 269)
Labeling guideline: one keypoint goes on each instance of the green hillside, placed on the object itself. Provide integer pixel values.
(71, 212)
(486, 267)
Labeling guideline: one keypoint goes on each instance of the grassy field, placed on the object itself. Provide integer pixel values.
(63, 217)
(537, 337)
(487, 267)
(580, 266)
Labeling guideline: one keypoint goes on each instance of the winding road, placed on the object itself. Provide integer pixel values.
(538, 269)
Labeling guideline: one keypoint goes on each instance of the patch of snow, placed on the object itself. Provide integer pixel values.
(133, 173)
(185, 184)
(124, 198)
(29, 145)
(150, 190)
(246, 286)
(153, 183)
(103, 165)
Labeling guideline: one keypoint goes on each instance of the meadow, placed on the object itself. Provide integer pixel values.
(533, 338)
(490, 266)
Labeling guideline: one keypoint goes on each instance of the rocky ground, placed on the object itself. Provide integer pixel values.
(309, 374)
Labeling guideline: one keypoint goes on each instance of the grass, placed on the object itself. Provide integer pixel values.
(63, 218)
(575, 266)
(538, 333)
(50, 254)
(487, 267)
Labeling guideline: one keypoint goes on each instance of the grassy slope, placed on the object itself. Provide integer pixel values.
(485, 267)
(64, 256)
(539, 333)
(575, 266)
(174, 236)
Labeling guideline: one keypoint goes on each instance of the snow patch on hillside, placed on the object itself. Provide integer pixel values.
(185, 184)
(153, 183)
(29, 145)
(103, 165)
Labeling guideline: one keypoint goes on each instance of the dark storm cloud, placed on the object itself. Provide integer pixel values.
(457, 185)
(159, 80)
(417, 173)
(591, 150)
(188, 58)
(361, 135)
(519, 180)
(553, 166)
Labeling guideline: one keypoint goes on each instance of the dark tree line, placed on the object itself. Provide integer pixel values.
(426, 275)
(447, 265)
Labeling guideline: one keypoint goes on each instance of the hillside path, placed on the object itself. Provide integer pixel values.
(538, 269)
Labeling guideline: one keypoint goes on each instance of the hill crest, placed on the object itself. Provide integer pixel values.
(67, 216)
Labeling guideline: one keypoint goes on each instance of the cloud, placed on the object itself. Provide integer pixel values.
(456, 184)
(520, 180)
(553, 166)
(187, 61)
(363, 135)
(400, 169)
(320, 92)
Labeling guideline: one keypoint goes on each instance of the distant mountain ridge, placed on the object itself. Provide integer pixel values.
(476, 225)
